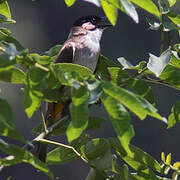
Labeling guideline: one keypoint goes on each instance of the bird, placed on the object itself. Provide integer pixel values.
(82, 47)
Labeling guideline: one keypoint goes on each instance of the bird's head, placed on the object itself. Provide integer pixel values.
(92, 23)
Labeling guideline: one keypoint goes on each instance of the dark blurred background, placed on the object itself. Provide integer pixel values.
(45, 23)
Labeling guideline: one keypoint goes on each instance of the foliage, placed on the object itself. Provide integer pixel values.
(119, 91)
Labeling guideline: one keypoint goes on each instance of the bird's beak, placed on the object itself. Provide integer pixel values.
(104, 23)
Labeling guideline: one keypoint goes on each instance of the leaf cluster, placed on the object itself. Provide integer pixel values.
(122, 88)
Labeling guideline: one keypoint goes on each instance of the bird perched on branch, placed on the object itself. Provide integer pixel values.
(82, 47)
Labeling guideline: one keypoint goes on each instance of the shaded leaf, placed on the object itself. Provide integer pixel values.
(120, 119)
(63, 155)
(135, 103)
(53, 51)
(13, 75)
(118, 75)
(79, 113)
(10, 39)
(103, 65)
(19, 155)
(95, 148)
(148, 5)
(110, 11)
(7, 126)
(141, 88)
(157, 64)
(163, 6)
(175, 18)
(4, 9)
(138, 160)
(130, 10)
(5, 20)
(174, 117)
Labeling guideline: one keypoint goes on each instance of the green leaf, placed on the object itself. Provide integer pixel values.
(135, 103)
(4, 9)
(141, 88)
(163, 6)
(5, 20)
(79, 113)
(12, 75)
(138, 159)
(171, 75)
(63, 155)
(95, 148)
(19, 155)
(177, 47)
(32, 93)
(157, 64)
(120, 119)
(104, 162)
(53, 51)
(168, 159)
(174, 117)
(103, 65)
(69, 2)
(130, 10)
(9, 39)
(7, 127)
(118, 76)
(175, 18)
(148, 5)
(95, 122)
(65, 72)
(172, 2)
(110, 11)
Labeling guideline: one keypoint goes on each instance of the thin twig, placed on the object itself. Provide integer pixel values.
(160, 83)
(64, 145)
(43, 120)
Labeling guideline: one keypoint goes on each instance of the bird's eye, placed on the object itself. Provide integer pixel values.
(93, 21)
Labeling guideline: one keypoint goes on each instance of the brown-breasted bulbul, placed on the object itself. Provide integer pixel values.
(82, 47)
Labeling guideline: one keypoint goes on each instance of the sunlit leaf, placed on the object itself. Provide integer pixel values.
(13, 75)
(4, 9)
(69, 2)
(138, 160)
(157, 64)
(79, 113)
(148, 5)
(176, 165)
(135, 103)
(168, 159)
(172, 2)
(110, 11)
(175, 18)
(7, 126)
(174, 117)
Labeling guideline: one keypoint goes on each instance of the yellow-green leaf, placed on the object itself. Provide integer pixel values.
(69, 2)
(163, 157)
(110, 11)
(176, 165)
(4, 9)
(168, 159)
(148, 5)
(172, 2)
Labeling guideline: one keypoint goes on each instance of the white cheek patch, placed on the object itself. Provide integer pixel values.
(88, 26)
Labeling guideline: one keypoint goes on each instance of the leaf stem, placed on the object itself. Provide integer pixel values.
(64, 145)
(41, 67)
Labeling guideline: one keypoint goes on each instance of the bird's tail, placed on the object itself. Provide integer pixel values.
(54, 111)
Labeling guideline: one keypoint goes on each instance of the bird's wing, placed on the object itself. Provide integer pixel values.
(66, 54)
